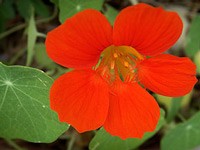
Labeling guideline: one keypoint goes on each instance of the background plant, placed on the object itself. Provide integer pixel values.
(26, 74)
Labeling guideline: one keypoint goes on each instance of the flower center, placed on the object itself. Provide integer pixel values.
(119, 62)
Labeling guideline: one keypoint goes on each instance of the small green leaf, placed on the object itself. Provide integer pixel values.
(70, 7)
(24, 8)
(32, 36)
(111, 14)
(193, 37)
(197, 61)
(56, 2)
(104, 141)
(186, 99)
(173, 105)
(24, 105)
(173, 110)
(7, 10)
(184, 136)
(164, 100)
(40, 8)
(41, 56)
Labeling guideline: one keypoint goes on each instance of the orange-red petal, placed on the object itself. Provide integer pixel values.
(79, 41)
(81, 99)
(148, 29)
(168, 75)
(132, 111)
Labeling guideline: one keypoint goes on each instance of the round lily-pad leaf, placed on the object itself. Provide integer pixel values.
(24, 105)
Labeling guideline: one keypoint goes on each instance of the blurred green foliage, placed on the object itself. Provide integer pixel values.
(33, 17)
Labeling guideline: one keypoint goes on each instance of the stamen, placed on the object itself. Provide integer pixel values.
(104, 72)
(126, 64)
(115, 55)
(119, 62)
(112, 65)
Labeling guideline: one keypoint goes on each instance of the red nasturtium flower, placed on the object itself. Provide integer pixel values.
(114, 65)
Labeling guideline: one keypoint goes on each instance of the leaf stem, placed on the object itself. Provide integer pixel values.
(39, 34)
(12, 30)
(180, 116)
(71, 142)
(17, 56)
(13, 144)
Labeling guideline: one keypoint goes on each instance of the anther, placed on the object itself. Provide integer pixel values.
(126, 64)
(112, 65)
(115, 55)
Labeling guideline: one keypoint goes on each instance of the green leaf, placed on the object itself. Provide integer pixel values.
(193, 37)
(6, 12)
(24, 8)
(41, 56)
(24, 105)
(40, 8)
(7, 9)
(32, 36)
(56, 2)
(70, 7)
(111, 13)
(184, 136)
(104, 141)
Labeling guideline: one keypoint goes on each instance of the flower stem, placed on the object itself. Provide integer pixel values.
(71, 142)
(180, 116)
(12, 30)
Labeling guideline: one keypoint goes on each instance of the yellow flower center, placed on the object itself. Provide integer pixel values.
(119, 62)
